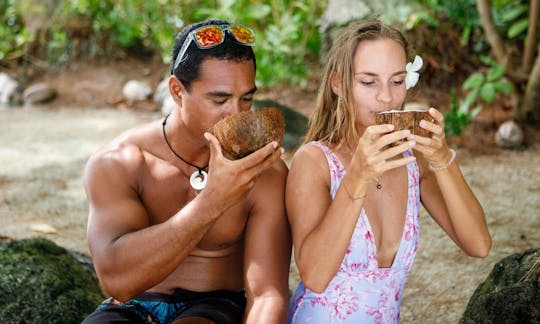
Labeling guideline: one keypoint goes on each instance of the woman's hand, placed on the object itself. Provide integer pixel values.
(434, 148)
(374, 154)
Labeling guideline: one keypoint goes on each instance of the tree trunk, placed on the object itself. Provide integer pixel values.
(530, 106)
(492, 35)
(530, 41)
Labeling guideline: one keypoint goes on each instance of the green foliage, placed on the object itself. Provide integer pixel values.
(481, 87)
(286, 34)
(459, 116)
(461, 12)
(14, 37)
(286, 30)
(511, 17)
(41, 282)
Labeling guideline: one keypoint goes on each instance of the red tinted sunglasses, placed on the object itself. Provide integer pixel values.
(212, 35)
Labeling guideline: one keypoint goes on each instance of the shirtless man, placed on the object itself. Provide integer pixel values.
(176, 230)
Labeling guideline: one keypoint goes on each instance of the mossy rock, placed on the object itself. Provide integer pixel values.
(295, 123)
(41, 282)
(510, 294)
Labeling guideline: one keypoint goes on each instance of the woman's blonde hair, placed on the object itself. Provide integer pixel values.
(334, 118)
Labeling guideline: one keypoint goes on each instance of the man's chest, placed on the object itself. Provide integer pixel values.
(165, 191)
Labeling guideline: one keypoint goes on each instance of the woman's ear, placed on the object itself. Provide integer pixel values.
(334, 81)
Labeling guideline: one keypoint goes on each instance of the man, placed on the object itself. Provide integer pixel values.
(176, 230)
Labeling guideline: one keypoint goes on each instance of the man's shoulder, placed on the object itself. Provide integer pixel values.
(279, 169)
(125, 152)
(270, 182)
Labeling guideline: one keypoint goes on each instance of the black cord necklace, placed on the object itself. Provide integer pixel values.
(198, 178)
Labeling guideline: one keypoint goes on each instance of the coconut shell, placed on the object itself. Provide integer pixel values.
(244, 133)
(405, 119)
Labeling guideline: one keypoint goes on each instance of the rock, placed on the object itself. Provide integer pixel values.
(510, 294)
(136, 90)
(162, 91)
(509, 135)
(39, 93)
(43, 228)
(10, 91)
(339, 13)
(41, 282)
(295, 123)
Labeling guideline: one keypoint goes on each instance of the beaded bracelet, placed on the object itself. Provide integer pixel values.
(452, 158)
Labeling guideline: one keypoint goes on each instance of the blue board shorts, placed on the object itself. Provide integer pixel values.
(220, 306)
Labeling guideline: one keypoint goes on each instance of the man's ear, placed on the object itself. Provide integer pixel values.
(176, 87)
(334, 81)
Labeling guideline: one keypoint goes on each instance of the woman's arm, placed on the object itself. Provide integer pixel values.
(321, 227)
(446, 195)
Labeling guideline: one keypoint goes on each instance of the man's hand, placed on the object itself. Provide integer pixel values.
(232, 179)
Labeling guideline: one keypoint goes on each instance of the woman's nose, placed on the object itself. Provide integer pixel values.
(384, 94)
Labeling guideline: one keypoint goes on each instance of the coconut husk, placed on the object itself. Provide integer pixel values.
(244, 133)
(405, 119)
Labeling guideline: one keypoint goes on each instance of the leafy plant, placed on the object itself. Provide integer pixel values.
(512, 17)
(480, 87)
(14, 36)
(459, 116)
(461, 12)
(286, 34)
(286, 30)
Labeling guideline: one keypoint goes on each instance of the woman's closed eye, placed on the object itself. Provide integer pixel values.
(367, 82)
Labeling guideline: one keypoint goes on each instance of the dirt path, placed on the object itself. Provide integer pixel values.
(43, 152)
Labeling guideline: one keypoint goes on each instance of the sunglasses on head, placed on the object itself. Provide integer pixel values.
(212, 35)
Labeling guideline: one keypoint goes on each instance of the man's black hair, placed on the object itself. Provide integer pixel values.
(188, 70)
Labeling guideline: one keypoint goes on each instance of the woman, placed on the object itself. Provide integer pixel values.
(354, 188)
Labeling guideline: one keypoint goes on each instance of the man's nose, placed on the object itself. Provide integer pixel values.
(234, 107)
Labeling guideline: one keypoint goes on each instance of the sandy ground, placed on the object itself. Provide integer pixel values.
(43, 152)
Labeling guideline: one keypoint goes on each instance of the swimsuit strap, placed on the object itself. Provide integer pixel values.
(337, 170)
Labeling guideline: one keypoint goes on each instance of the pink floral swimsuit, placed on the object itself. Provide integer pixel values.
(361, 292)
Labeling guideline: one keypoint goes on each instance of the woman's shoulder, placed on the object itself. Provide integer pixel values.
(310, 156)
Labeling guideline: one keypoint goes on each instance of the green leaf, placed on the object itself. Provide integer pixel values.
(476, 111)
(257, 12)
(469, 100)
(503, 86)
(487, 92)
(226, 4)
(465, 35)
(464, 105)
(495, 73)
(512, 14)
(487, 60)
(518, 28)
(473, 81)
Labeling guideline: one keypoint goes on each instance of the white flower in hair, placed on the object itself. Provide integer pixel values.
(412, 72)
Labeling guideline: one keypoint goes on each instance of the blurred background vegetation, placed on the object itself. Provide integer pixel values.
(462, 58)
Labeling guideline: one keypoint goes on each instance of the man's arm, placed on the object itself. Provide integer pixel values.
(267, 250)
(131, 255)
